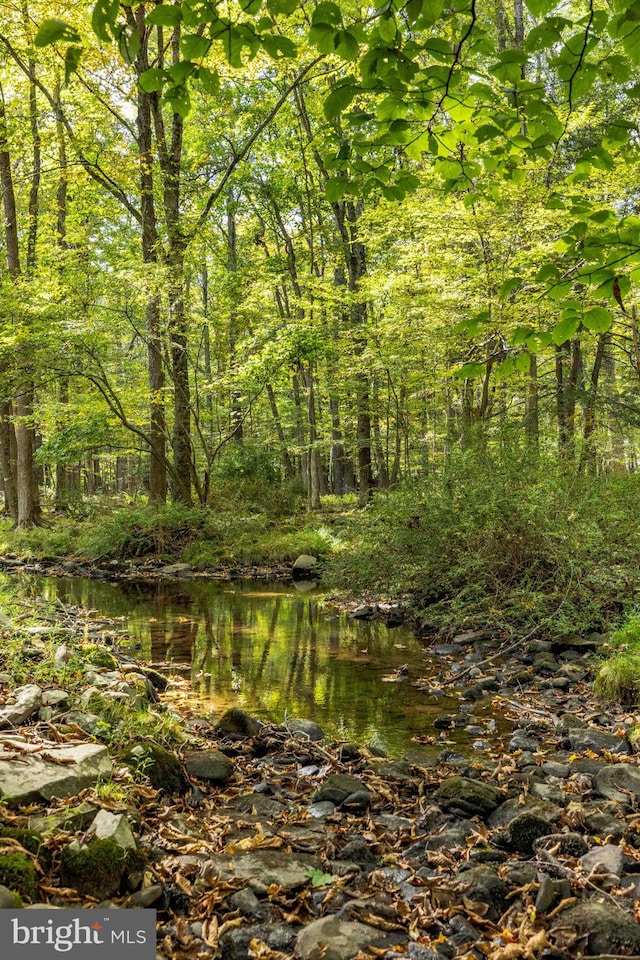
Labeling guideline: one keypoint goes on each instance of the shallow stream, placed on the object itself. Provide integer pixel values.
(274, 650)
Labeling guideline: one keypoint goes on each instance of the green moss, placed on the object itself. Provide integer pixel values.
(18, 873)
(29, 839)
(158, 764)
(97, 869)
(618, 680)
(97, 656)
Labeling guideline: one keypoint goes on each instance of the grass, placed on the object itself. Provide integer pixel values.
(618, 679)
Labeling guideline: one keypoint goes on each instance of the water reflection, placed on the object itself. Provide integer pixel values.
(275, 652)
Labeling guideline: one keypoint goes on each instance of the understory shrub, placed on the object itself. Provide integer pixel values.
(498, 539)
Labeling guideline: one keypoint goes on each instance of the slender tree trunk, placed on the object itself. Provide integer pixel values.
(26, 486)
(150, 256)
(531, 415)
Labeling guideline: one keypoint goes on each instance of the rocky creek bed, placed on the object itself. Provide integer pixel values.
(268, 841)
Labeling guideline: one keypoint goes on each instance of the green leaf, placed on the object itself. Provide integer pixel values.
(178, 98)
(282, 7)
(165, 15)
(152, 80)
(508, 286)
(71, 61)
(103, 16)
(336, 188)
(597, 319)
(540, 8)
(565, 330)
(387, 28)
(128, 42)
(347, 46)
(210, 80)
(338, 100)
(328, 13)
(521, 335)
(548, 271)
(194, 47)
(470, 370)
(278, 48)
(522, 363)
(319, 878)
(54, 31)
(179, 73)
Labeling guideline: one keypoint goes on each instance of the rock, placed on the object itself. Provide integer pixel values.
(606, 927)
(618, 781)
(602, 825)
(333, 939)
(565, 844)
(97, 869)
(471, 797)
(590, 738)
(209, 765)
(146, 897)
(322, 809)
(288, 870)
(54, 698)
(247, 903)
(237, 723)
(364, 612)
(70, 817)
(523, 831)
(8, 899)
(607, 858)
(339, 787)
(301, 729)
(160, 765)
(175, 570)
(18, 873)
(304, 563)
(511, 809)
(77, 767)
(277, 937)
(451, 838)
(358, 851)
(115, 827)
(484, 885)
(28, 700)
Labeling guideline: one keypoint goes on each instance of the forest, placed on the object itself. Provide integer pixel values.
(369, 272)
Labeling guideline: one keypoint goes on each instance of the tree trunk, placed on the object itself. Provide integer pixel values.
(150, 255)
(26, 485)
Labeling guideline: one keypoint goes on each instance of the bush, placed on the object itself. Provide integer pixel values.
(618, 679)
(499, 540)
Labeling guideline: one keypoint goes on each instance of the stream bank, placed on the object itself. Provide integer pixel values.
(271, 841)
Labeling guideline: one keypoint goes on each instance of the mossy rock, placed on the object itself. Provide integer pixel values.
(97, 656)
(18, 873)
(97, 869)
(29, 839)
(160, 765)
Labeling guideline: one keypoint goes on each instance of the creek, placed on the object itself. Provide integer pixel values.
(272, 649)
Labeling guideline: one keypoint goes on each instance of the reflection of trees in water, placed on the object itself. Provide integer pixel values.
(279, 652)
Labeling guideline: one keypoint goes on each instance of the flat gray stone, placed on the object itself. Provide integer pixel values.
(28, 700)
(618, 781)
(288, 870)
(301, 729)
(209, 765)
(115, 827)
(590, 738)
(471, 797)
(57, 771)
(332, 939)
(607, 858)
